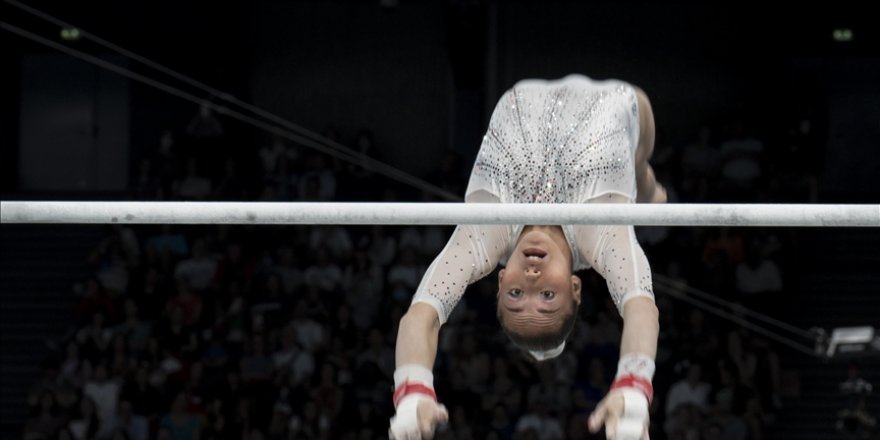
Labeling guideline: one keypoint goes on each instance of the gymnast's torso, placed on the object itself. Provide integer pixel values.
(562, 141)
(571, 140)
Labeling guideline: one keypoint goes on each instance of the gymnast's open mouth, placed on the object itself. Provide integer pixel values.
(534, 254)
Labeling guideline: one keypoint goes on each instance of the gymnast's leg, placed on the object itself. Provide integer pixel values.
(649, 190)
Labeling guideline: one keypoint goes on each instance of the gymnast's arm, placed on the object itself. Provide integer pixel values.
(624, 410)
(417, 336)
(471, 253)
(614, 253)
(640, 327)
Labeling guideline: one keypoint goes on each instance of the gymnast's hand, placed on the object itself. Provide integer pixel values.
(417, 418)
(624, 412)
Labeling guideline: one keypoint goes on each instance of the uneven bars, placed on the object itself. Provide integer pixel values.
(278, 213)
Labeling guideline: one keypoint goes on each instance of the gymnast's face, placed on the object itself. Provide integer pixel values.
(537, 290)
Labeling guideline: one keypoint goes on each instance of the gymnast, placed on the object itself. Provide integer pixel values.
(573, 140)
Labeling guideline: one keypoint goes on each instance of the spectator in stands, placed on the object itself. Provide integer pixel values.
(94, 339)
(758, 279)
(310, 334)
(231, 186)
(741, 161)
(272, 153)
(181, 425)
(146, 185)
(855, 420)
(189, 303)
(411, 238)
(194, 186)
(324, 274)
(166, 163)
(404, 275)
(699, 165)
(291, 360)
(204, 124)
(146, 400)
(365, 146)
(283, 182)
(377, 353)
(94, 299)
(174, 335)
(86, 425)
(448, 173)
(256, 367)
(594, 389)
(733, 426)
(310, 424)
(130, 425)
(540, 421)
(363, 286)
(684, 423)
(501, 424)
(382, 247)
(113, 273)
(134, 329)
(287, 266)
(726, 241)
(199, 270)
(104, 392)
(319, 182)
(768, 374)
(327, 395)
(269, 302)
(503, 391)
(797, 165)
(334, 239)
(215, 426)
(690, 389)
(45, 420)
(128, 244)
(169, 240)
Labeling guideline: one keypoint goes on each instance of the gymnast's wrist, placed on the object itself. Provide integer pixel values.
(635, 371)
(412, 380)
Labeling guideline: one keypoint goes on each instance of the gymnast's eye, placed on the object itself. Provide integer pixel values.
(548, 294)
(515, 293)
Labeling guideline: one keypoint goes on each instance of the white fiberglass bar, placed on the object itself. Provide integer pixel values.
(263, 213)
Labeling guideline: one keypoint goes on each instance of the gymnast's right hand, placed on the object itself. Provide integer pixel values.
(417, 417)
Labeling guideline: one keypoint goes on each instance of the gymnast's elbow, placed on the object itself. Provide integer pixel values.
(420, 316)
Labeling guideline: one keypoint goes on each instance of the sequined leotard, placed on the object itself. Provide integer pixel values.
(566, 141)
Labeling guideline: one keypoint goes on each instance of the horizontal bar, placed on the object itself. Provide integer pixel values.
(269, 213)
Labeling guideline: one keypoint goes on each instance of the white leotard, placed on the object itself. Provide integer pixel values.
(565, 141)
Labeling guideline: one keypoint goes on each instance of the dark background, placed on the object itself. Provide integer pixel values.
(422, 78)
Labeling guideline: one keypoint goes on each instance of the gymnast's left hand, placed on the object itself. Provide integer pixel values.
(624, 413)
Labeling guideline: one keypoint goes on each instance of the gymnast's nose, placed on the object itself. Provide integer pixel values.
(532, 272)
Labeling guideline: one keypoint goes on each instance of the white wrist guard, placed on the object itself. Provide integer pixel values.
(636, 364)
(413, 373)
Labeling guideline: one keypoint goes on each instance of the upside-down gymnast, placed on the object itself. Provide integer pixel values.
(573, 140)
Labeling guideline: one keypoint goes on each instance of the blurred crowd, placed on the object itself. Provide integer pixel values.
(216, 332)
